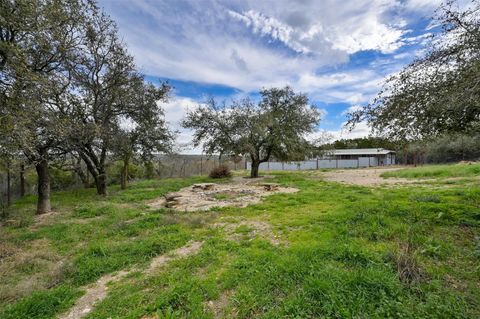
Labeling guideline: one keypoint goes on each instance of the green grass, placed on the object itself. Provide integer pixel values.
(437, 171)
(409, 252)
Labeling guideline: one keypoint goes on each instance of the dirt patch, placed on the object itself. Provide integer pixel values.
(97, 291)
(248, 230)
(365, 177)
(218, 306)
(241, 192)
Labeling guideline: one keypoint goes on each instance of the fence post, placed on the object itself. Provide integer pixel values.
(9, 195)
(317, 162)
(22, 180)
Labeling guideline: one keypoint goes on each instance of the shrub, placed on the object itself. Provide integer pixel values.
(220, 172)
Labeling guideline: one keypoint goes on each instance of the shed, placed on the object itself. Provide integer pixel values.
(364, 156)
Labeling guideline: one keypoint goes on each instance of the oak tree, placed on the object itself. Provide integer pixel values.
(277, 126)
(438, 93)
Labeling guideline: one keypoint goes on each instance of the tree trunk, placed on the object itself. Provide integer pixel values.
(22, 180)
(101, 183)
(43, 202)
(124, 175)
(98, 173)
(254, 170)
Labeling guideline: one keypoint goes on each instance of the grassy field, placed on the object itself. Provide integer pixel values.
(330, 250)
(437, 171)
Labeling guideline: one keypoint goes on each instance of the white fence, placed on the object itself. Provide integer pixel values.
(320, 163)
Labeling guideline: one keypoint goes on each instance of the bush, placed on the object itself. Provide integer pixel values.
(220, 172)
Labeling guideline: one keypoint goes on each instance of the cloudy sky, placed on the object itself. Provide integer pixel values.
(338, 52)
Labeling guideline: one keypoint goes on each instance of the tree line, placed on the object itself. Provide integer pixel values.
(70, 89)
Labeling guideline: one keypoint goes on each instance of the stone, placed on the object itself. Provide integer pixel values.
(269, 187)
(203, 186)
(172, 196)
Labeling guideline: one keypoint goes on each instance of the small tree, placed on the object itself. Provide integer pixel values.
(109, 92)
(276, 126)
(146, 134)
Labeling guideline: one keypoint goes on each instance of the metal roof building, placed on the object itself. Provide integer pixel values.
(368, 156)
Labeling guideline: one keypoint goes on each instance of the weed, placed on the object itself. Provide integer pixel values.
(220, 171)
(407, 266)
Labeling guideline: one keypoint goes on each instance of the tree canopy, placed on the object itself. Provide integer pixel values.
(67, 85)
(277, 126)
(438, 93)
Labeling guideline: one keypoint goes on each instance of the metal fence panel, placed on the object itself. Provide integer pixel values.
(345, 163)
(327, 163)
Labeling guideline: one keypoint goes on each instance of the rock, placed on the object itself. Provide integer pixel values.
(203, 186)
(269, 187)
(171, 204)
(172, 196)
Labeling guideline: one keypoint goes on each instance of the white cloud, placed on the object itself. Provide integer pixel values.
(360, 130)
(351, 109)
(353, 87)
(328, 136)
(175, 111)
(232, 42)
(341, 30)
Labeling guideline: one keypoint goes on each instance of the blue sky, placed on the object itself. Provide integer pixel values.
(337, 52)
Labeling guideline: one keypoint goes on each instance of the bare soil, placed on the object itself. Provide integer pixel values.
(365, 177)
(218, 306)
(97, 291)
(240, 192)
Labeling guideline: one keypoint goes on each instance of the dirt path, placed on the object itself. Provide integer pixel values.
(97, 291)
(365, 177)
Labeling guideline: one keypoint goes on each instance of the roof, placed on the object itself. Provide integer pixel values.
(362, 151)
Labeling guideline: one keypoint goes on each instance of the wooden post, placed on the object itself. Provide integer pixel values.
(22, 180)
(9, 195)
